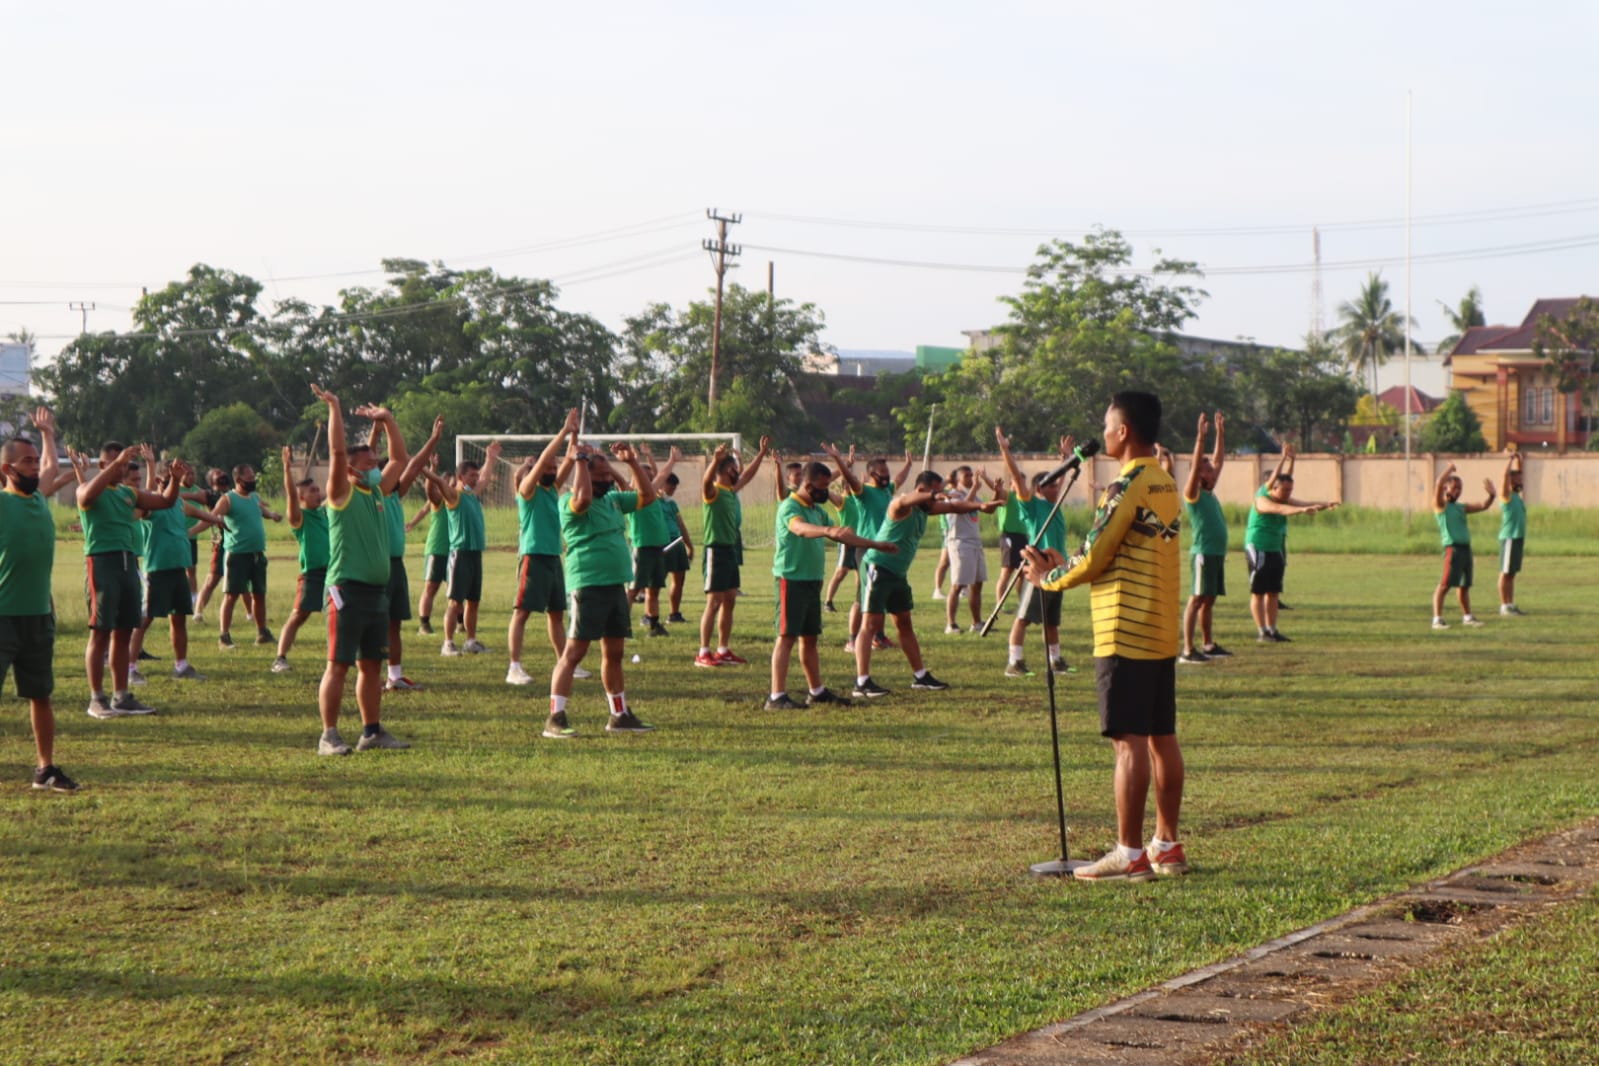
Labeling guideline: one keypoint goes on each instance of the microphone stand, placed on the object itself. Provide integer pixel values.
(1004, 593)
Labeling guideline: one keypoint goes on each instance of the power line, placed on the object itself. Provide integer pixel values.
(721, 251)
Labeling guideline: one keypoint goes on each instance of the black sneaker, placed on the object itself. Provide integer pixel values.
(424, 628)
(1281, 606)
(264, 636)
(51, 779)
(829, 608)
(1216, 651)
(225, 642)
(1193, 657)
(146, 657)
(557, 727)
(656, 629)
(1061, 666)
(781, 703)
(627, 722)
(926, 682)
(1276, 637)
(869, 690)
(676, 618)
(827, 695)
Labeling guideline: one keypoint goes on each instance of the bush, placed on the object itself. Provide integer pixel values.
(228, 437)
(1453, 428)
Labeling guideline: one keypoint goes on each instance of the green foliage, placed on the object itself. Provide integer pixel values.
(465, 410)
(1462, 317)
(1083, 327)
(1370, 329)
(1453, 427)
(228, 437)
(666, 365)
(1568, 345)
(1306, 394)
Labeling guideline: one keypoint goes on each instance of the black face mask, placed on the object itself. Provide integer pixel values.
(25, 485)
(547, 480)
(602, 487)
(246, 487)
(926, 508)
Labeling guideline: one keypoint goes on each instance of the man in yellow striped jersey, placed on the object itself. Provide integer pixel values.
(1130, 561)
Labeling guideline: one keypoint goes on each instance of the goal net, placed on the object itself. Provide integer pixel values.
(759, 498)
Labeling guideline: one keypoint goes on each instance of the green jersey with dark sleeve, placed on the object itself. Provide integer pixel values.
(394, 516)
(1034, 513)
(167, 539)
(438, 541)
(242, 529)
(906, 533)
(1205, 515)
(724, 517)
(108, 522)
(539, 522)
(1452, 527)
(466, 522)
(1513, 517)
(358, 539)
(596, 547)
(646, 527)
(312, 537)
(27, 553)
(1265, 532)
(873, 503)
(670, 515)
(799, 558)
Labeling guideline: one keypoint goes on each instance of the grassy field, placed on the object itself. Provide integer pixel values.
(837, 887)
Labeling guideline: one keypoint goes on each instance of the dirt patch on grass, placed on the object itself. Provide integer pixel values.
(1210, 1014)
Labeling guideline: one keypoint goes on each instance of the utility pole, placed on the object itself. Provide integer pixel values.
(721, 252)
(79, 305)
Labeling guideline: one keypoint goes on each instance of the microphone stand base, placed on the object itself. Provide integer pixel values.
(1057, 867)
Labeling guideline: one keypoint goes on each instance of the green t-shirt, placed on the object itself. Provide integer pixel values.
(1265, 532)
(596, 548)
(108, 522)
(873, 503)
(438, 542)
(799, 558)
(906, 533)
(394, 515)
(669, 516)
(466, 523)
(1513, 517)
(27, 553)
(724, 517)
(646, 527)
(358, 540)
(312, 536)
(850, 514)
(1011, 519)
(539, 520)
(167, 539)
(1033, 513)
(1452, 528)
(242, 530)
(1209, 523)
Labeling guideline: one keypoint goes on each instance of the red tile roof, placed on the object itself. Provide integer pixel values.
(1420, 402)
(1520, 338)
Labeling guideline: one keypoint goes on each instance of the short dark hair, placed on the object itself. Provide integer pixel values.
(467, 464)
(794, 466)
(672, 479)
(815, 469)
(8, 451)
(305, 483)
(929, 479)
(1140, 412)
(360, 448)
(112, 448)
(237, 471)
(960, 468)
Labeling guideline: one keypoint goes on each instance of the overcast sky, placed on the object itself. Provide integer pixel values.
(584, 142)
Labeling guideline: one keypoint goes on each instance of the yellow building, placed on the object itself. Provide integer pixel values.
(1512, 391)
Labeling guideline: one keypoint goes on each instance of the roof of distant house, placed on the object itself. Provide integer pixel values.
(1420, 402)
(1512, 338)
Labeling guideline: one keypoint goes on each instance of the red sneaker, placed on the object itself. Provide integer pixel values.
(707, 659)
(1115, 867)
(729, 658)
(1168, 862)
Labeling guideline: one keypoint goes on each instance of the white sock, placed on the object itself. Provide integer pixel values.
(395, 672)
(1437, 619)
(1130, 854)
(862, 679)
(778, 695)
(723, 649)
(704, 650)
(618, 701)
(180, 664)
(818, 690)
(1054, 651)
(1161, 845)
(121, 694)
(557, 704)
(923, 672)
(515, 664)
(1015, 653)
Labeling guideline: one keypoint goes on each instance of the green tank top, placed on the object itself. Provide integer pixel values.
(646, 527)
(539, 520)
(1209, 525)
(27, 554)
(394, 515)
(669, 517)
(1265, 532)
(873, 503)
(466, 523)
(1513, 518)
(1034, 512)
(167, 546)
(1011, 519)
(1452, 528)
(799, 558)
(358, 540)
(438, 542)
(242, 530)
(312, 536)
(108, 522)
(724, 518)
(906, 533)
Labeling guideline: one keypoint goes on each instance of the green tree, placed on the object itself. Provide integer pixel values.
(1462, 317)
(1084, 326)
(1568, 344)
(1306, 393)
(665, 369)
(1370, 330)
(229, 436)
(1453, 427)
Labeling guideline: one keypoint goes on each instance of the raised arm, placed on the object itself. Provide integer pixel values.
(491, 461)
(748, 473)
(708, 482)
(1439, 486)
(673, 457)
(646, 489)
(904, 471)
(50, 477)
(1511, 465)
(582, 484)
(777, 477)
(291, 495)
(1019, 484)
(846, 467)
(110, 474)
(397, 453)
(548, 456)
(1284, 465)
(1191, 486)
(146, 500)
(338, 448)
(1488, 500)
(1218, 454)
(423, 456)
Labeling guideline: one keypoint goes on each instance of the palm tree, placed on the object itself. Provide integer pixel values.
(1462, 317)
(1370, 330)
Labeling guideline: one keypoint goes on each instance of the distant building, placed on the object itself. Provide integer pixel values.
(15, 365)
(1194, 347)
(1512, 391)
(1420, 403)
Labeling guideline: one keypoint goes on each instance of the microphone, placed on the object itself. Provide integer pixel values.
(1086, 450)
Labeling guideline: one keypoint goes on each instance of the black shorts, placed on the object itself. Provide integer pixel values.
(466, 576)
(1010, 549)
(111, 587)
(311, 591)
(216, 559)
(358, 622)
(194, 553)
(166, 593)
(675, 558)
(27, 650)
(649, 568)
(540, 585)
(1457, 566)
(1136, 696)
(848, 557)
(1510, 556)
(885, 591)
(600, 611)
(1265, 571)
(721, 567)
(1040, 607)
(247, 573)
(399, 590)
(799, 608)
(438, 570)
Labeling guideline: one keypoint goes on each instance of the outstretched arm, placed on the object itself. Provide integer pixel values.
(904, 471)
(1488, 500)
(1504, 481)
(491, 462)
(645, 488)
(423, 456)
(845, 467)
(708, 482)
(338, 448)
(1191, 486)
(146, 500)
(1019, 484)
(658, 483)
(1219, 453)
(110, 474)
(1439, 486)
(546, 460)
(748, 473)
(50, 476)
(291, 495)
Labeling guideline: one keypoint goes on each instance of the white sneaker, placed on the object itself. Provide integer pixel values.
(474, 647)
(581, 674)
(1439, 623)
(938, 594)
(450, 650)
(518, 676)
(280, 665)
(1471, 620)
(953, 630)
(136, 678)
